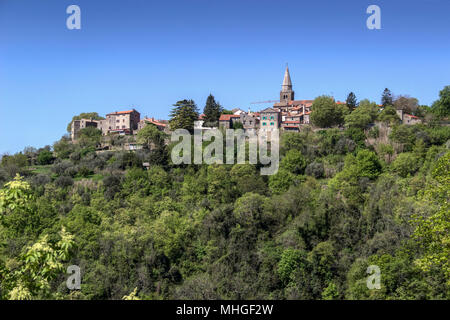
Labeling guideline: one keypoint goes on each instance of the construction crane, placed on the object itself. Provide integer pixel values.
(268, 101)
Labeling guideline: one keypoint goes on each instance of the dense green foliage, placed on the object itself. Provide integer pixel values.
(326, 113)
(342, 199)
(441, 107)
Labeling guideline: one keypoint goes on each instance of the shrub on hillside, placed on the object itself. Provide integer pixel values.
(315, 169)
(63, 182)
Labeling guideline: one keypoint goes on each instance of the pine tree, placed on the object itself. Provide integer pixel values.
(212, 112)
(351, 101)
(386, 98)
(183, 115)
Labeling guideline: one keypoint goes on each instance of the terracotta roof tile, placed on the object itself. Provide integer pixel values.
(227, 117)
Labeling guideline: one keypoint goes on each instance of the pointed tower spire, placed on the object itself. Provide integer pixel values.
(286, 88)
(287, 84)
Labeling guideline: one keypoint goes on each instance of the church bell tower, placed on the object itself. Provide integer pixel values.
(286, 94)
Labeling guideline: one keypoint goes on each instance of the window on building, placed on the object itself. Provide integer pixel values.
(271, 123)
(264, 123)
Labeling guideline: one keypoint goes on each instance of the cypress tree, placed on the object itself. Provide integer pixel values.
(386, 98)
(212, 112)
(351, 101)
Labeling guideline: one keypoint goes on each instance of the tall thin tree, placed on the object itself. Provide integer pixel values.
(351, 101)
(386, 98)
(212, 112)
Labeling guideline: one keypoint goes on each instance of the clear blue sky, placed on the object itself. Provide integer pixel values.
(149, 54)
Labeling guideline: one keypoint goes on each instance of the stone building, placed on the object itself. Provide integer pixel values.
(77, 125)
(250, 121)
(121, 121)
(287, 103)
(408, 118)
(270, 119)
(228, 120)
(161, 125)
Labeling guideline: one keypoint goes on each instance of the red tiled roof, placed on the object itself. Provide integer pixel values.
(200, 117)
(298, 102)
(291, 122)
(227, 117)
(411, 116)
(122, 112)
(155, 122)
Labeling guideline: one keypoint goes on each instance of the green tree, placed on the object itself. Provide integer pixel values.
(389, 116)
(238, 125)
(407, 104)
(35, 268)
(247, 179)
(386, 98)
(441, 107)
(294, 162)
(281, 181)
(19, 159)
(212, 112)
(44, 157)
(386, 150)
(90, 137)
(324, 112)
(291, 261)
(154, 140)
(183, 115)
(330, 292)
(351, 101)
(406, 163)
(432, 232)
(359, 118)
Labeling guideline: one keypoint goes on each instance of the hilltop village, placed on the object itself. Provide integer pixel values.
(354, 185)
(287, 114)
